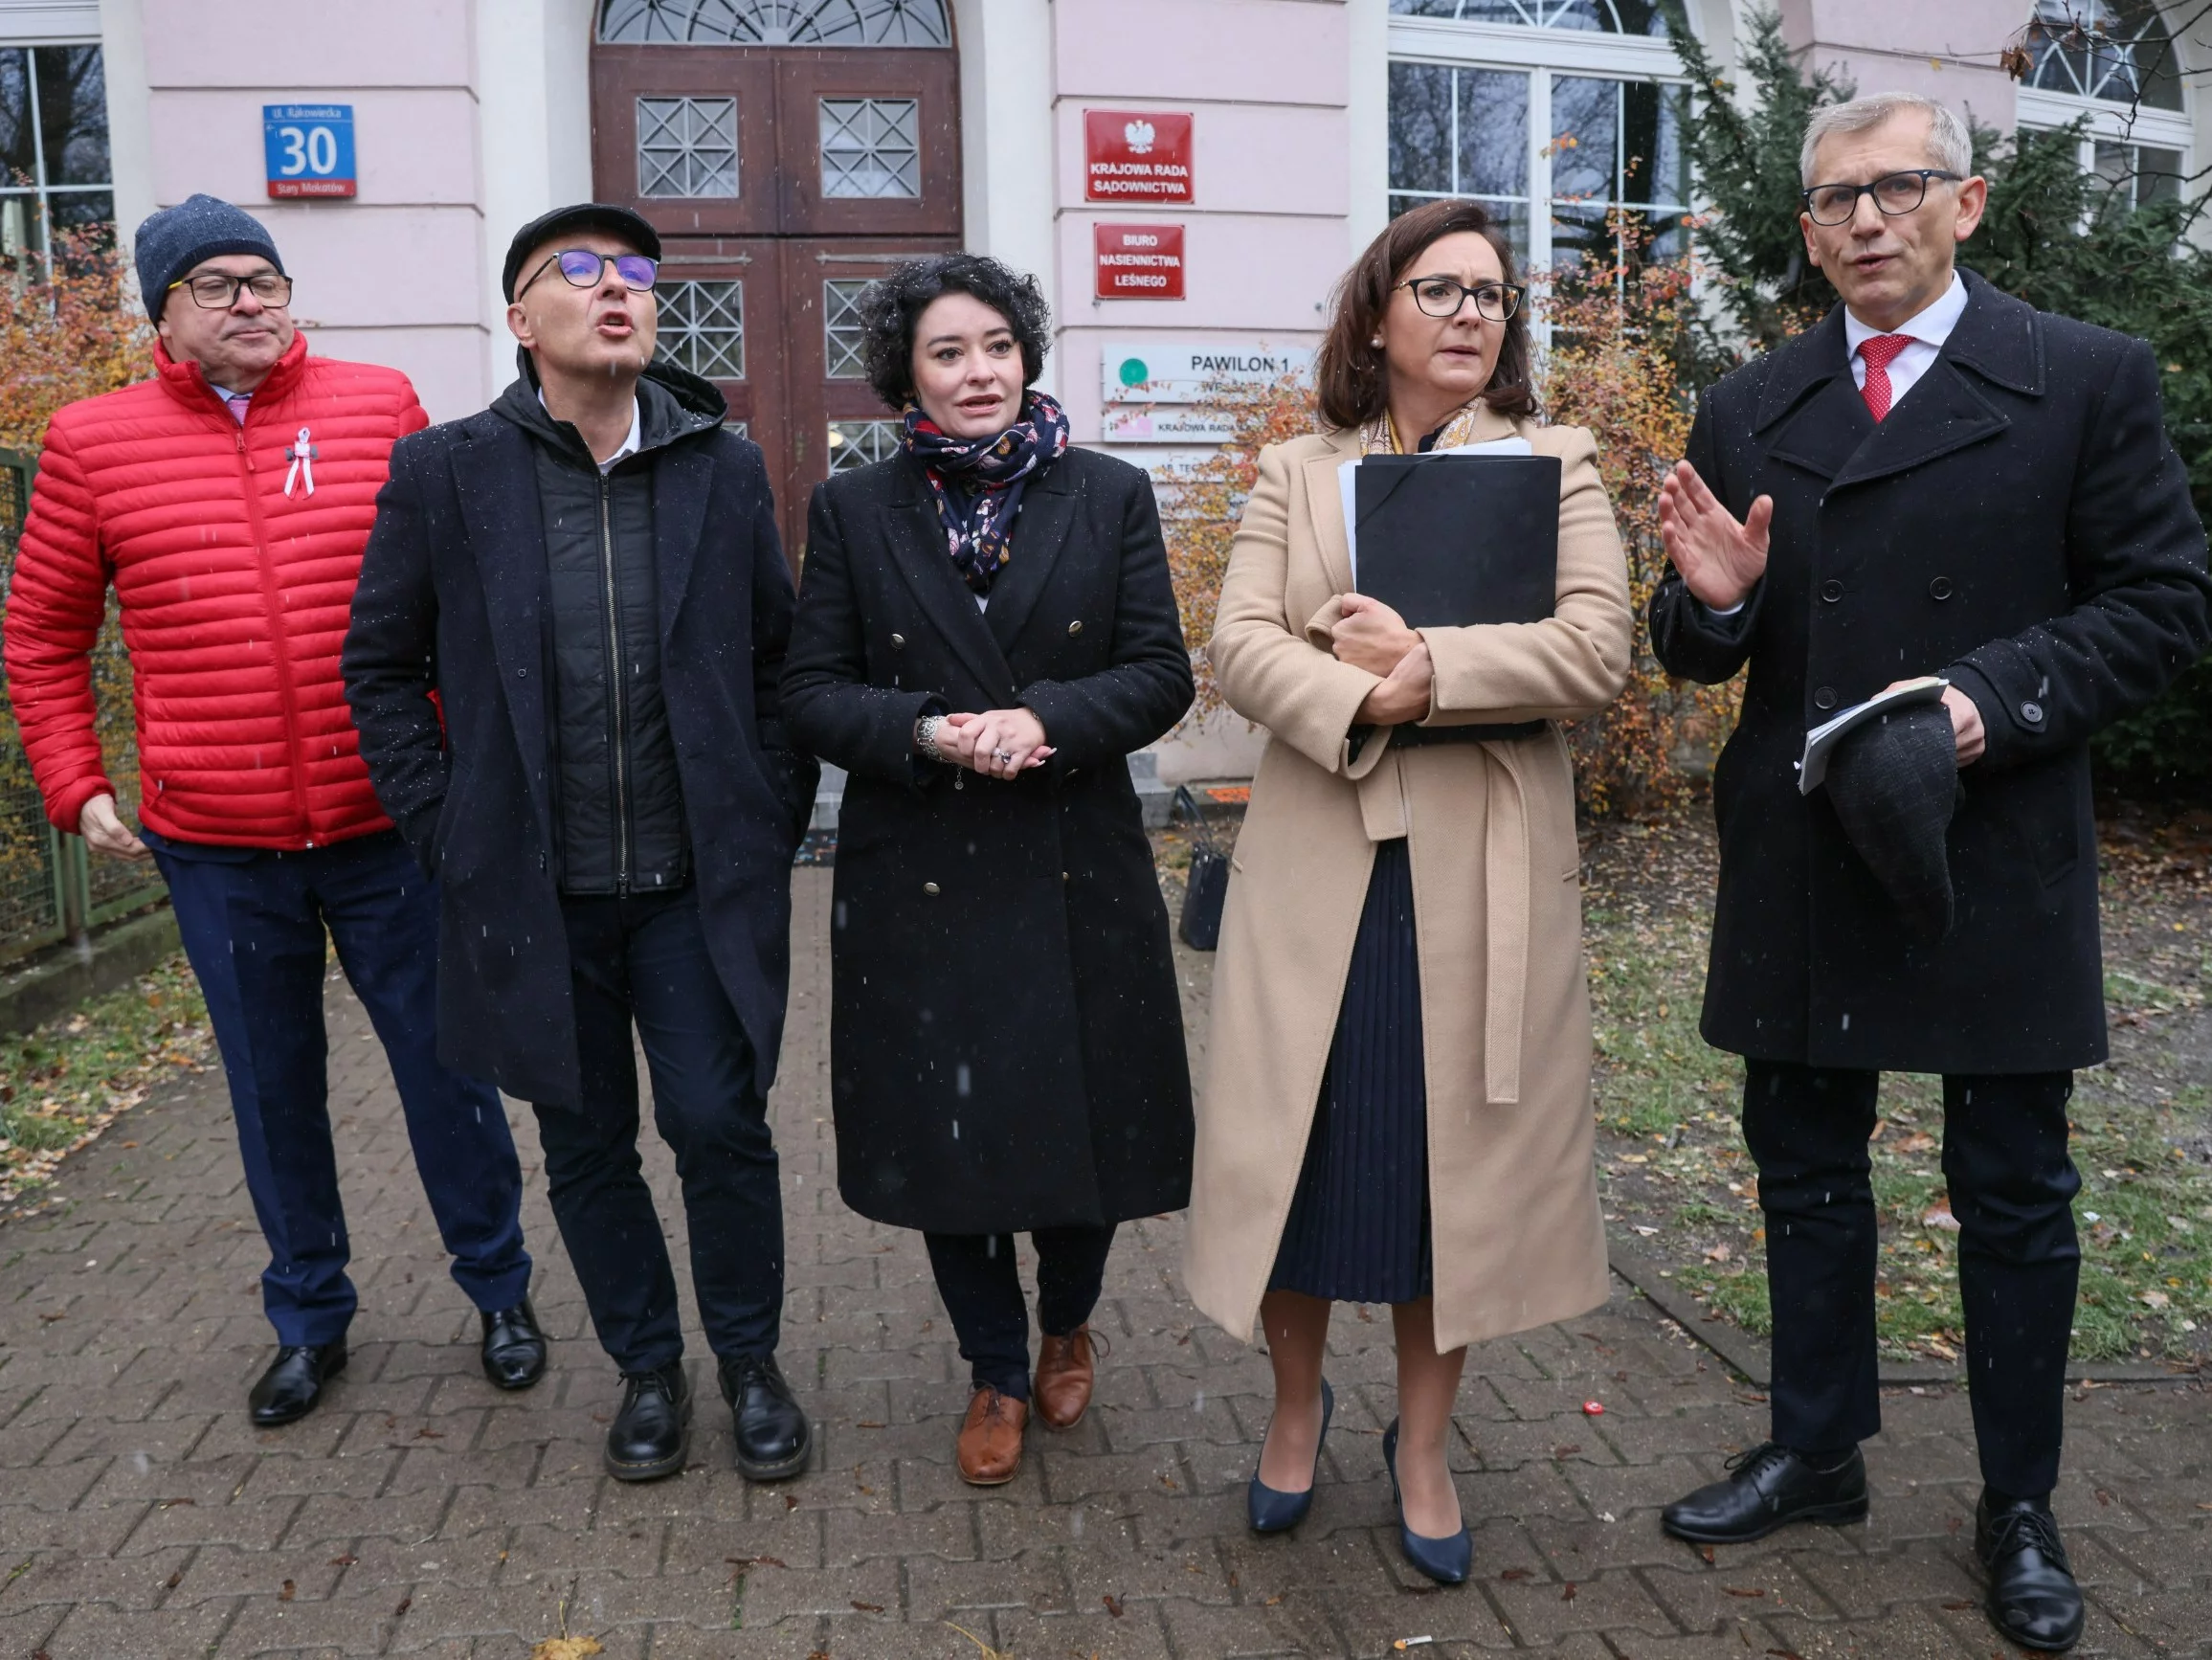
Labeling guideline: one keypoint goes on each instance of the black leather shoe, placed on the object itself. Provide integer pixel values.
(772, 1436)
(514, 1351)
(2033, 1599)
(652, 1431)
(1769, 1487)
(289, 1389)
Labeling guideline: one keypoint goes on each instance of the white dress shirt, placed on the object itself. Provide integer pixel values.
(1928, 329)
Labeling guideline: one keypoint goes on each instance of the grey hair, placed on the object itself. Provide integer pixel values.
(1949, 147)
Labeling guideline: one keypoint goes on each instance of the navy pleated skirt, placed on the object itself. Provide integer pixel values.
(1358, 1230)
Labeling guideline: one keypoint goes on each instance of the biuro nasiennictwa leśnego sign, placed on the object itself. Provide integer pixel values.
(1136, 156)
(309, 150)
(1138, 261)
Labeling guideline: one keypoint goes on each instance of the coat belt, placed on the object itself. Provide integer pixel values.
(1385, 814)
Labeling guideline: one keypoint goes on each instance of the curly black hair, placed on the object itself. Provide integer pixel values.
(891, 305)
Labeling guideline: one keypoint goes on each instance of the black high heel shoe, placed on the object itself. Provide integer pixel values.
(1445, 1561)
(1274, 1511)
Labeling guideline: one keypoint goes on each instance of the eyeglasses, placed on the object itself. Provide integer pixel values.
(583, 267)
(1895, 194)
(219, 293)
(1442, 297)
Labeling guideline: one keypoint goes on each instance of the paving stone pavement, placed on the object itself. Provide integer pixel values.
(420, 1511)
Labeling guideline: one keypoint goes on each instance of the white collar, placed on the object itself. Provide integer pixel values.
(1932, 325)
(631, 444)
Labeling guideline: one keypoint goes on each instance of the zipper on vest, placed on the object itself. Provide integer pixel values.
(279, 637)
(617, 691)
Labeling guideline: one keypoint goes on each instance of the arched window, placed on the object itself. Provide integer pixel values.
(2112, 51)
(2112, 65)
(775, 22)
(1600, 16)
(1557, 113)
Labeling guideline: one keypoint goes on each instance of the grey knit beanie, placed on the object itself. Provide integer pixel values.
(175, 239)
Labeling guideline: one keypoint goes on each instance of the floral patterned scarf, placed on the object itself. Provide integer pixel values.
(986, 478)
(1381, 437)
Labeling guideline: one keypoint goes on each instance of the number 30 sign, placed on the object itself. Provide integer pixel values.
(309, 148)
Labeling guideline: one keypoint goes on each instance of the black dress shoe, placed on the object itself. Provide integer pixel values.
(2033, 1599)
(514, 1351)
(1769, 1487)
(652, 1431)
(288, 1390)
(772, 1435)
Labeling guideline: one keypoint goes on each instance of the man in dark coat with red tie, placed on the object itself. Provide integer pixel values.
(1936, 479)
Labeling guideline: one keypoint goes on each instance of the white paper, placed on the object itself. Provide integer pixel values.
(1349, 491)
(1821, 741)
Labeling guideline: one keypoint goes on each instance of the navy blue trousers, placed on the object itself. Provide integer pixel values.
(254, 924)
(642, 959)
(2012, 1186)
(981, 1285)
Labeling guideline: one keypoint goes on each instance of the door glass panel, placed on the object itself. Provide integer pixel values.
(857, 445)
(1494, 139)
(1421, 128)
(841, 331)
(703, 327)
(687, 147)
(1585, 138)
(868, 147)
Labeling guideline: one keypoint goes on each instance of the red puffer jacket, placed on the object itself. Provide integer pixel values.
(236, 579)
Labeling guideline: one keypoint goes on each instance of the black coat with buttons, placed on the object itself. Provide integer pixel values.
(2020, 523)
(1006, 1038)
(456, 603)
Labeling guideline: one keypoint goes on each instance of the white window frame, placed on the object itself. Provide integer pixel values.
(1541, 53)
(2111, 122)
(42, 191)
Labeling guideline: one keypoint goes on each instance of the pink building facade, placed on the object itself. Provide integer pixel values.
(950, 122)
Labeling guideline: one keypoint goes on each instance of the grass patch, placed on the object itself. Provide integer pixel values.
(65, 1082)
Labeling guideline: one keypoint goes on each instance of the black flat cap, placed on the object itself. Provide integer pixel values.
(1894, 784)
(605, 217)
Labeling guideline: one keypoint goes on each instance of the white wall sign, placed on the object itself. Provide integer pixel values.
(1169, 371)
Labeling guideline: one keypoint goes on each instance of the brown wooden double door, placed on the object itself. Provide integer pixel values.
(781, 180)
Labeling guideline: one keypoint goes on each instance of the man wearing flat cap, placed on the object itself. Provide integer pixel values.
(228, 499)
(563, 663)
(1936, 480)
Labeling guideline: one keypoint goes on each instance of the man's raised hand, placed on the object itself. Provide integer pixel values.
(1720, 560)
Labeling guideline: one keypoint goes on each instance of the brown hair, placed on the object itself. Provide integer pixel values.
(1349, 382)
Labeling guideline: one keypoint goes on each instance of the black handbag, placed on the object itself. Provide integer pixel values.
(1206, 887)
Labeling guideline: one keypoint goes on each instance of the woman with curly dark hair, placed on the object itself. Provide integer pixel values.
(985, 630)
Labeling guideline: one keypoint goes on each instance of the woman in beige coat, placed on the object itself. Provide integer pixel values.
(1397, 1106)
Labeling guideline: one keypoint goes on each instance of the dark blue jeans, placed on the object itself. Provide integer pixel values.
(643, 959)
(253, 924)
(981, 1286)
(2012, 1186)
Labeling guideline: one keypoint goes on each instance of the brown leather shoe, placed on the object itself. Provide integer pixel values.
(988, 1450)
(1061, 1390)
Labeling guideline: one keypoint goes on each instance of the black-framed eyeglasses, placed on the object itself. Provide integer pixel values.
(1894, 194)
(583, 267)
(1442, 297)
(219, 293)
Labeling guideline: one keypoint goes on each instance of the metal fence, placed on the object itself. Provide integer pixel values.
(50, 888)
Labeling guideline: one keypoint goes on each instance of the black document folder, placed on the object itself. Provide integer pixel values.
(1449, 541)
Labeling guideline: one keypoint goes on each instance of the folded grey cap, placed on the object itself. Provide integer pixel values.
(1894, 785)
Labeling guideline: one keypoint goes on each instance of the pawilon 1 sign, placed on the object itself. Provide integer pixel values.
(1136, 156)
(309, 150)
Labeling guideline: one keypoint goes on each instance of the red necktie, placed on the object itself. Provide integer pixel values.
(1880, 350)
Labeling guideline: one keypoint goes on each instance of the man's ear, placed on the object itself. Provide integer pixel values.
(518, 326)
(1811, 247)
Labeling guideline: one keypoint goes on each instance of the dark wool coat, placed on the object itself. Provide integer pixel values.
(454, 599)
(1006, 1042)
(2020, 523)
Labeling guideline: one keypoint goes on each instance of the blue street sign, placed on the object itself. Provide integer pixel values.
(309, 148)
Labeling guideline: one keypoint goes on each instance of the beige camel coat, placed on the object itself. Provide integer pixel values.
(1504, 1002)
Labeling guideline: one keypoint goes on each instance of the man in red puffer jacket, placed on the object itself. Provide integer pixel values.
(228, 499)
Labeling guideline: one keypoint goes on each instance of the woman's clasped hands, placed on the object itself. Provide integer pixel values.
(1370, 634)
(998, 743)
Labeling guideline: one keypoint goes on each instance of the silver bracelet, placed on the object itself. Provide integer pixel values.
(926, 737)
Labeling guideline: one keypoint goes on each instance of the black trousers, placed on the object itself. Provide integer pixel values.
(2012, 1187)
(643, 959)
(982, 1291)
